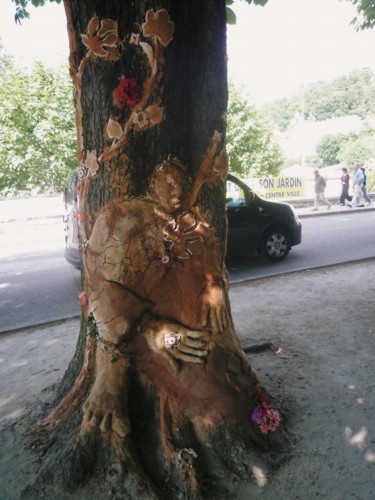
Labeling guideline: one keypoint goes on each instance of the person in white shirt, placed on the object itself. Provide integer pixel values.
(357, 187)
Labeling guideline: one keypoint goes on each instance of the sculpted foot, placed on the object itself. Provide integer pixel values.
(105, 410)
(105, 413)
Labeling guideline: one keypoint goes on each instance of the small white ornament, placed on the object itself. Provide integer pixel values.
(172, 340)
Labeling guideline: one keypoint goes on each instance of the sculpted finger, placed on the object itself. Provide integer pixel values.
(193, 352)
(195, 344)
(219, 315)
(224, 318)
(203, 315)
(199, 334)
(189, 359)
(214, 322)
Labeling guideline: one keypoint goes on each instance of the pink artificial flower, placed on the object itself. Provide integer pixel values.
(266, 417)
(83, 299)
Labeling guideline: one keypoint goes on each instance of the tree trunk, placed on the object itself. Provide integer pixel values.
(160, 397)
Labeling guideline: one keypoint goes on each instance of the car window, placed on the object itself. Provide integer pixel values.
(70, 193)
(235, 195)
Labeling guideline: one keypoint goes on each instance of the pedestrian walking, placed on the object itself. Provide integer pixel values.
(364, 187)
(357, 200)
(320, 185)
(345, 187)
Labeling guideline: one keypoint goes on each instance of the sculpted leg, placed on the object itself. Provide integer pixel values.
(106, 407)
(115, 311)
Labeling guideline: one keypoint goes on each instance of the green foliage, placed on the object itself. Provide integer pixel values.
(251, 146)
(22, 12)
(311, 161)
(257, 2)
(329, 148)
(21, 8)
(358, 149)
(370, 178)
(365, 14)
(231, 16)
(37, 128)
(282, 111)
(347, 95)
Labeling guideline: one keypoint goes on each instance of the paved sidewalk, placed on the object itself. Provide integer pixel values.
(336, 209)
(321, 323)
(31, 208)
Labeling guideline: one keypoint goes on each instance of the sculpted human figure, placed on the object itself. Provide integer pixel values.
(152, 257)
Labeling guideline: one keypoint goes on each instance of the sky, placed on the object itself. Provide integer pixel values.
(273, 51)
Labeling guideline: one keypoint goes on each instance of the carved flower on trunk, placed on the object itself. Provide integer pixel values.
(101, 36)
(158, 24)
(186, 235)
(147, 118)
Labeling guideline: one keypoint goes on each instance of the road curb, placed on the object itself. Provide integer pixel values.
(42, 324)
(235, 282)
(308, 269)
(344, 210)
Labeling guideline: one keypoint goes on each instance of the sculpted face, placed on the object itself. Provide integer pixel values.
(170, 187)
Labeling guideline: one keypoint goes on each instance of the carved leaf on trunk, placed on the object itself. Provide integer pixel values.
(158, 24)
(114, 129)
(91, 162)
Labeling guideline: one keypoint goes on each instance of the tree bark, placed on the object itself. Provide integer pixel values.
(159, 388)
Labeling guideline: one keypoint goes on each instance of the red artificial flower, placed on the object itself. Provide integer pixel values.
(260, 395)
(126, 93)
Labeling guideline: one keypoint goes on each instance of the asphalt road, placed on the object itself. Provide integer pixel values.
(326, 240)
(38, 286)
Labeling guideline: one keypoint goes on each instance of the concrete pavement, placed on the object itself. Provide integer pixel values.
(306, 211)
(321, 325)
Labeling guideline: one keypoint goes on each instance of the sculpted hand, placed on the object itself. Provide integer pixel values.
(214, 310)
(187, 345)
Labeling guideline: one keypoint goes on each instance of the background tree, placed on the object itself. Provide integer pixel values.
(365, 14)
(329, 147)
(160, 399)
(358, 149)
(347, 95)
(252, 149)
(37, 128)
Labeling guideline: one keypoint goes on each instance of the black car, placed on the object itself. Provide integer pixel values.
(254, 225)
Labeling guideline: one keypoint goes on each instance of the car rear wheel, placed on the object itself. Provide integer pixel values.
(275, 244)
